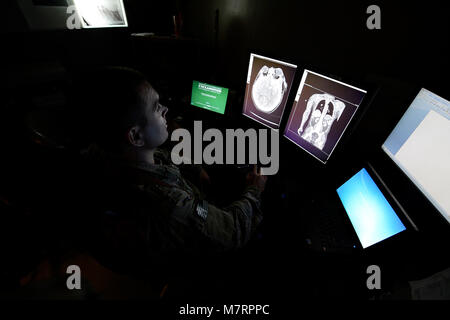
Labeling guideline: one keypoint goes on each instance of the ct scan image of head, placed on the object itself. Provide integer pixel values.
(324, 110)
(268, 89)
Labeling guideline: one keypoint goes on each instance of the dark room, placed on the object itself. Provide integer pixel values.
(224, 158)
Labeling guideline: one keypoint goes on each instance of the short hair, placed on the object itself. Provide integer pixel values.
(114, 99)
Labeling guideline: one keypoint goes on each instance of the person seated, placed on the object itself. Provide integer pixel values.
(129, 126)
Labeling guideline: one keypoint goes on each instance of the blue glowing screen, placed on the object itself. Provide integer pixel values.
(370, 213)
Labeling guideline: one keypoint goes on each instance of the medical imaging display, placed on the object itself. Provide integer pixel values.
(269, 89)
(323, 108)
(101, 13)
(370, 213)
(268, 84)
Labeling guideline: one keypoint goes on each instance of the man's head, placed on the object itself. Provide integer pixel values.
(127, 113)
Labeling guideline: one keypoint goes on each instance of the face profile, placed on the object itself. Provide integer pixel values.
(155, 132)
(269, 89)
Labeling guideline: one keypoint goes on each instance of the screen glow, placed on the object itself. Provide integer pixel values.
(101, 13)
(370, 213)
(419, 146)
(209, 97)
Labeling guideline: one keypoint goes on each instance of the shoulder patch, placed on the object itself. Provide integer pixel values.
(202, 209)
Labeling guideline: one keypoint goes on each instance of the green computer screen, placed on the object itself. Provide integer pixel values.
(207, 96)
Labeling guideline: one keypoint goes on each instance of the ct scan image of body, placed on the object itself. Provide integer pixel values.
(324, 110)
(269, 89)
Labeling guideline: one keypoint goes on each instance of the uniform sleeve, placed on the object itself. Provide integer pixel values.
(232, 226)
(189, 217)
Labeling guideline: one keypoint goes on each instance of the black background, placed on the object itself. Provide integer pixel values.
(409, 52)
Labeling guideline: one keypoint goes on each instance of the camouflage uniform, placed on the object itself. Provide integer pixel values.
(189, 213)
(174, 215)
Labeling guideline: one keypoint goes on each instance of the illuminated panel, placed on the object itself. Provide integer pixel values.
(370, 213)
(209, 97)
(101, 13)
(419, 145)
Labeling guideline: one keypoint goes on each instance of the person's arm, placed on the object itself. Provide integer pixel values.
(232, 226)
(184, 216)
(192, 172)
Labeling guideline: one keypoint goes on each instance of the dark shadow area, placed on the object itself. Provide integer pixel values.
(54, 203)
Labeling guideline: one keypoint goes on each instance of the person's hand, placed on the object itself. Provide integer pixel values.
(205, 181)
(254, 178)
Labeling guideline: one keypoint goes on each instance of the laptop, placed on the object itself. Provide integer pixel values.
(362, 215)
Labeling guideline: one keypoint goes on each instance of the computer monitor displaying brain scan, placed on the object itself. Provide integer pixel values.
(268, 84)
(322, 110)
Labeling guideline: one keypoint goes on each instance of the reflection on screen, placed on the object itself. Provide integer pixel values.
(420, 146)
(370, 213)
(268, 84)
(323, 108)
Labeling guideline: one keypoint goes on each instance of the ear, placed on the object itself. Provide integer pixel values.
(135, 136)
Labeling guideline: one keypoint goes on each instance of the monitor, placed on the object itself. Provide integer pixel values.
(269, 82)
(322, 110)
(209, 97)
(101, 13)
(419, 146)
(370, 213)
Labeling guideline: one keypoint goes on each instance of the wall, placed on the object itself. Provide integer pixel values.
(412, 44)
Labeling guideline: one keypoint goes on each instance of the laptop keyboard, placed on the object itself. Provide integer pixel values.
(329, 231)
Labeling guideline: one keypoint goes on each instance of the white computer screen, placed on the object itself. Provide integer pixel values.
(420, 146)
